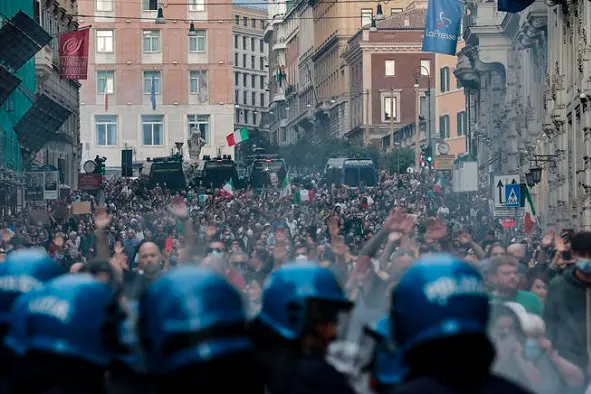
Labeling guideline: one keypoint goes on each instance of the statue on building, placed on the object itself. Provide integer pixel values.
(195, 143)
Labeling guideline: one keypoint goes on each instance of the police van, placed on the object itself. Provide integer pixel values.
(166, 172)
(215, 172)
(266, 170)
(351, 172)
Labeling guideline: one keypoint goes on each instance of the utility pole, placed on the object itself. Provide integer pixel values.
(417, 128)
(392, 120)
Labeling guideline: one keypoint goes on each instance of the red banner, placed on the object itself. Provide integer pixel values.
(74, 54)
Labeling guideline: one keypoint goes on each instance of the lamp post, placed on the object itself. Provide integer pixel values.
(417, 129)
(418, 72)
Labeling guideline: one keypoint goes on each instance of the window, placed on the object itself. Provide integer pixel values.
(245, 23)
(198, 83)
(197, 42)
(148, 75)
(235, 42)
(254, 98)
(254, 118)
(153, 129)
(252, 43)
(238, 115)
(262, 63)
(253, 81)
(462, 123)
(201, 123)
(262, 98)
(444, 126)
(366, 16)
(245, 80)
(236, 20)
(252, 62)
(237, 96)
(151, 41)
(244, 43)
(197, 5)
(106, 130)
(246, 113)
(237, 79)
(425, 68)
(236, 59)
(104, 41)
(390, 68)
(105, 80)
(262, 82)
(390, 102)
(245, 99)
(104, 5)
(149, 5)
(244, 61)
(444, 79)
(253, 23)
(262, 46)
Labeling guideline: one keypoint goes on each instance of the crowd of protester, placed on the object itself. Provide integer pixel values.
(539, 282)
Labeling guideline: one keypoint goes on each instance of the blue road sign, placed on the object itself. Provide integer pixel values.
(512, 196)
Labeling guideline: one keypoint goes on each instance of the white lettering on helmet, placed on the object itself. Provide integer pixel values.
(51, 306)
(19, 283)
(441, 290)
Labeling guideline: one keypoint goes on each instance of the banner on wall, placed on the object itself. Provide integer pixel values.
(73, 52)
(442, 27)
(51, 183)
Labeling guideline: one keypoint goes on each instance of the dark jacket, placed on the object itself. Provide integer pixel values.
(423, 385)
(567, 309)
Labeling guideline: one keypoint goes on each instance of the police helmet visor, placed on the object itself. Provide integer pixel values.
(333, 316)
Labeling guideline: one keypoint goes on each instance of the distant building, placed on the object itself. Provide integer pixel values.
(251, 96)
(184, 67)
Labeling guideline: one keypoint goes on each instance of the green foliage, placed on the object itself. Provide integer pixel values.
(399, 160)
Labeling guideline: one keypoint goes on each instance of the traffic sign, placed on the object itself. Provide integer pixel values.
(513, 196)
(499, 195)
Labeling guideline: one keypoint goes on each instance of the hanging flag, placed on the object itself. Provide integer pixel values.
(228, 189)
(513, 6)
(303, 195)
(153, 91)
(442, 27)
(285, 187)
(529, 219)
(73, 53)
(106, 99)
(237, 137)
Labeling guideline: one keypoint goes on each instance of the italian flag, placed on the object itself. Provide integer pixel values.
(303, 196)
(237, 137)
(285, 187)
(529, 219)
(228, 189)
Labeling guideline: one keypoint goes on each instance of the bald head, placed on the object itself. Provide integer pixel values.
(517, 250)
(150, 258)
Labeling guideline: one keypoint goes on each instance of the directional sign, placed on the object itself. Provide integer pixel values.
(499, 195)
(513, 196)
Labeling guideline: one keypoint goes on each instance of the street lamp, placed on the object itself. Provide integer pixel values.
(418, 72)
(417, 128)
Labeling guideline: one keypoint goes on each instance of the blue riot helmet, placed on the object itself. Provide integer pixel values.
(386, 369)
(23, 271)
(298, 297)
(131, 359)
(190, 316)
(73, 316)
(439, 296)
(16, 338)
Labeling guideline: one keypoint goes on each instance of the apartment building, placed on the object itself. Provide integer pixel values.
(384, 63)
(62, 150)
(450, 104)
(157, 72)
(250, 66)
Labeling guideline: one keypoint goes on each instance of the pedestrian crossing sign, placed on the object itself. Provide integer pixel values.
(513, 196)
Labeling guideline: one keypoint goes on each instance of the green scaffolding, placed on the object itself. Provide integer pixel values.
(17, 105)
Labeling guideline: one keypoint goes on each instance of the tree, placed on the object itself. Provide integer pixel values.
(399, 160)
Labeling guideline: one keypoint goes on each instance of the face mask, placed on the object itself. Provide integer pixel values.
(531, 349)
(584, 265)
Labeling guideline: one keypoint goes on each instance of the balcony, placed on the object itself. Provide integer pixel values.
(44, 61)
(279, 44)
(278, 96)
